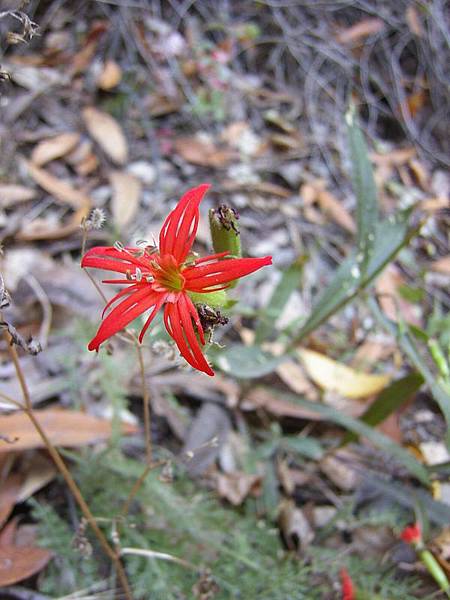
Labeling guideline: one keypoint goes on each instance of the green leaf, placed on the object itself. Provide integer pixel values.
(391, 236)
(245, 362)
(305, 446)
(361, 429)
(364, 188)
(288, 283)
(408, 345)
(214, 299)
(409, 497)
(388, 401)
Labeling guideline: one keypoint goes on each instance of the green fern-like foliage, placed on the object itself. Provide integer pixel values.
(243, 553)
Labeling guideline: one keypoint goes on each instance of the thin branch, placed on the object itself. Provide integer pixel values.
(60, 464)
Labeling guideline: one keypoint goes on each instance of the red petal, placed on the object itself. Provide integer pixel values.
(194, 314)
(178, 321)
(180, 227)
(211, 257)
(111, 259)
(124, 313)
(203, 278)
(124, 292)
(152, 315)
(348, 592)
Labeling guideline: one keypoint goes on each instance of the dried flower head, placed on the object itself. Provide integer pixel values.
(96, 219)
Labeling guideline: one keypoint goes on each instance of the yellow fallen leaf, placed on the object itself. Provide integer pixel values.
(54, 147)
(335, 377)
(107, 132)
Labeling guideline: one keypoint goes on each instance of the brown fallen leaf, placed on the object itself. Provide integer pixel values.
(60, 190)
(360, 30)
(67, 428)
(392, 303)
(337, 211)
(294, 376)
(432, 205)
(394, 158)
(43, 229)
(37, 471)
(18, 563)
(413, 21)
(420, 173)
(442, 265)
(110, 75)
(295, 528)
(107, 132)
(261, 187)
(315, 192)
(336, 377)
(9, 492)
(11, 194)
(235, 487)
(54, 147)
(202, 152)
(339, 468)
(370, 352)
(125, 200)
(260, 397)
(82, 59)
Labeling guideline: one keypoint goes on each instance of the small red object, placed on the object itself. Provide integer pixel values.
(412, 534)
(348, 589)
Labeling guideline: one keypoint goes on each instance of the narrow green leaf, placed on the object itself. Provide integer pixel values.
(361, 429)
(289, 282)
(388, 401)
(409, 497)
(245, 362)
(305, 446)
(391, 236)
(364, 188)
(407, 344)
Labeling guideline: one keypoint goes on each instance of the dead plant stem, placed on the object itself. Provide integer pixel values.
(137, 486)
(60, 464)
(146, 401)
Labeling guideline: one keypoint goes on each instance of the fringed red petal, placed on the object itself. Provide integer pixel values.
(180, 227)
(124, 313)
(204, 277)
(179, 325)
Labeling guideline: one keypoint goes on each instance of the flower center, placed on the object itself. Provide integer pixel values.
(167, 274)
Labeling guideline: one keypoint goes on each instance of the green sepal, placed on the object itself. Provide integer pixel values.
(217, 299)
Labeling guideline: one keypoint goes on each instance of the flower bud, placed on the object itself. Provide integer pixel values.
(223, 223)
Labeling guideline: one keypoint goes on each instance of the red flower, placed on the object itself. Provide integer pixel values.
(348, 589)
(164, 278)
(412, 534)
